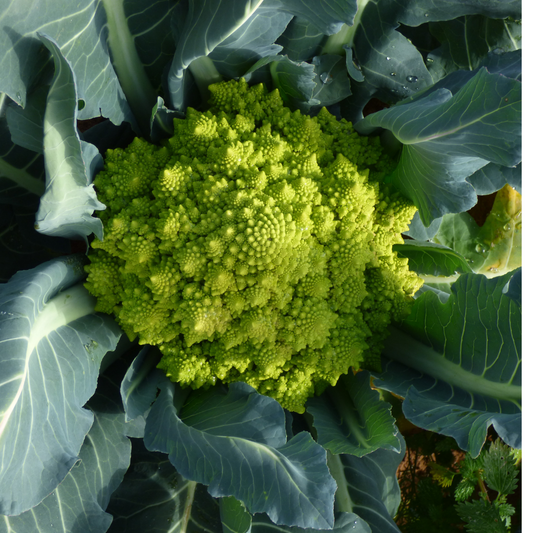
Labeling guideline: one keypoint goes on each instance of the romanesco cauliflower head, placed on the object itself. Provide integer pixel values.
(254, 246)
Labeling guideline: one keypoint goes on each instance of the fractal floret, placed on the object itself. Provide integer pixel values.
(254, 245)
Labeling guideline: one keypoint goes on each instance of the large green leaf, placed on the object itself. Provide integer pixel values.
(296, 81)
(51, 346)
(458, 363)
(448, 137)
(209, 22)
(69, 201)
(491, 178)
(78, 503)
(467, 40)
(431, 259)
(368, 486)
(327, 15)
(99, 86)
(496, 247)
(508, 64)
(117, 50)
(155, 498)
(301, 40)
(332, 82)
(139, 387)
(235, 444)
(236, 519)
(252, 41)
(350, 418)
(392, 66)
(420, 11)
(390, 63)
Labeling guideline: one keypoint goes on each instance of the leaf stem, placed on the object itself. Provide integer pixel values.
(128, 66)
(343, 501)
(3, 104)
(482, 486)
(336, 42)
(345, 36)
(205, 73)
(189, 500)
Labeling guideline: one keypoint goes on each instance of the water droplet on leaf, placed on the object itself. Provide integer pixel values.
(480, 249)
(325, 77)
(412, 79)
(393, 73)
(388, 58)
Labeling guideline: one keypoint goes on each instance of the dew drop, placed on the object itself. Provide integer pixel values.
(426, 14)
(480, 249)
(393, 73)
(430, 60)
(412, 79)
(404, 87)
(388, 58)
(19, 97)
(325, 77)
(507, 227)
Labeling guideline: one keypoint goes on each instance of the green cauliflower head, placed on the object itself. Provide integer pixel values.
(255, 245)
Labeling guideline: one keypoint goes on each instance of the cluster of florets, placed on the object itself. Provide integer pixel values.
(252, 246)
